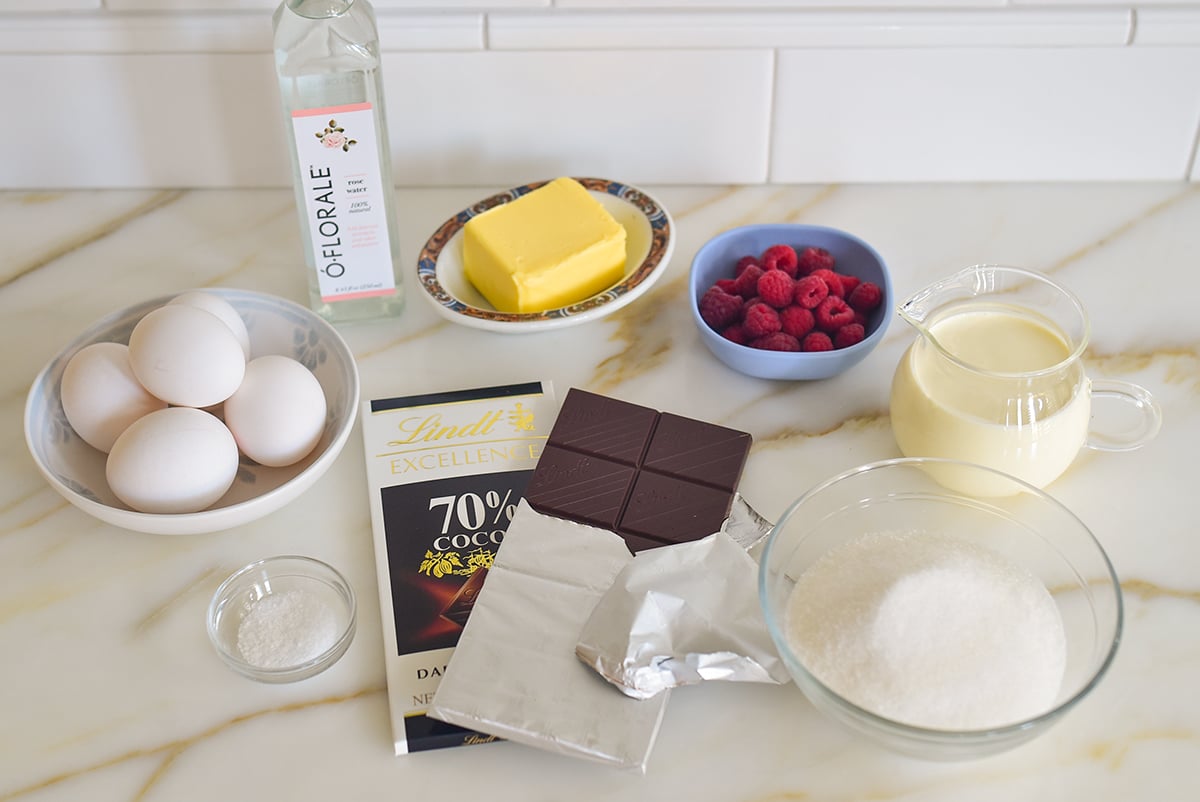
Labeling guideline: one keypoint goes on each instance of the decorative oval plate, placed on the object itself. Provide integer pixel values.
(649, 241)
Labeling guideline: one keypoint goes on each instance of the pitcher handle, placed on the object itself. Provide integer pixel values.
(1125, 416)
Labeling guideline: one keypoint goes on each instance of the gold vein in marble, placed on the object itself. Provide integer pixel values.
(37, 198)
(757, 214)
(420, 334)
(1183, 364)
(172, 750)
(1114, 752)
(156, 201)
(826, 192)
(36, 517)
(858, 423)
(205, 578)
(714, 200)
(1150, 591)
(645, 331)
(1123, 229)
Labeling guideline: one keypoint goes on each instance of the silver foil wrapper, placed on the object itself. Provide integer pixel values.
(514, 673)
(684, 614)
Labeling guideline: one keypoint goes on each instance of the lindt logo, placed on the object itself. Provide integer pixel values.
(432, 428)
(555, 473)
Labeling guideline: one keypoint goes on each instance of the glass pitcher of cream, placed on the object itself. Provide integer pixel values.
(996, 378)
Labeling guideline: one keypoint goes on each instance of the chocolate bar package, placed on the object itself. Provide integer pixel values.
(618, 484)
(445, 473)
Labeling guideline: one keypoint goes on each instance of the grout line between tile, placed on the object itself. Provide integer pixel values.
(772, 103)
(1190, 168)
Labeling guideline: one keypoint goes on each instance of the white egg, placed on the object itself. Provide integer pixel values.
(100, 395)
(277, 414)
(215, 304)
(186, 356)
(175, 460)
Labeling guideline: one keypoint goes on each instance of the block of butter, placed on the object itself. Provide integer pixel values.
(552, 247)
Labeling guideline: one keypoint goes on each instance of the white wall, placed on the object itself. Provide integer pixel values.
(181, 93)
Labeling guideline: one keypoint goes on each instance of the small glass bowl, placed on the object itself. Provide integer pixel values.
(237, 596)
(1026, 526)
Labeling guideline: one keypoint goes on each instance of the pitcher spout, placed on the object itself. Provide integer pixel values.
(918, 308)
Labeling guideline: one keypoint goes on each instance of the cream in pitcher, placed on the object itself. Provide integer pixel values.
(996, 378)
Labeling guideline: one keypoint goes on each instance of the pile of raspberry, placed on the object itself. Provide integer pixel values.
(784, 300)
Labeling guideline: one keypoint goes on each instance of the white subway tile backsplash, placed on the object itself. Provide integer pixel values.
(791, 4)
(459, 31)
(638, 116)
(692, 29)
(998, 114)
(489, 5)
(183, 6)
(440, 5)
(269, 5)
(47, 6)
(455, 118)
(136, 34)
(129, 93)
(178, 120)
(216, 33)
(1122, 3)
(1158, 26)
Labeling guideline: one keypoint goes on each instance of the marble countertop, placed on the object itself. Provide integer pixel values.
(109, 689)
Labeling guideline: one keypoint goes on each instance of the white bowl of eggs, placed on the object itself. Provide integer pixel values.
(194, 412)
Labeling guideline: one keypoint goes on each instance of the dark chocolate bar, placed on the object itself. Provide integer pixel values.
(654, 478)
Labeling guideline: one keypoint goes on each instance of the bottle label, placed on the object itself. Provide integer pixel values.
(344, 201)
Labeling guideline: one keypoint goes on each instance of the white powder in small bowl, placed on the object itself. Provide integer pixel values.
(286, 629)
(929, 630)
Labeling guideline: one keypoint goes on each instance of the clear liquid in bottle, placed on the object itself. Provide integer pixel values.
(327, 62)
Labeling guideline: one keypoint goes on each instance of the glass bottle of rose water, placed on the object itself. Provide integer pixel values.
(327, 60)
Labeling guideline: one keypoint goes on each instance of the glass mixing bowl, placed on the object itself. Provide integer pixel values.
(1028, 528)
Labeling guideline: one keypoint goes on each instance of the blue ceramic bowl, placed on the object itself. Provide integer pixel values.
(716, 260)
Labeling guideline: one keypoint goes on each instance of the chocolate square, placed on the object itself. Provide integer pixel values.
(580, 487)
(654, 478)
(672, 510)
(606, 427)
(699, 451)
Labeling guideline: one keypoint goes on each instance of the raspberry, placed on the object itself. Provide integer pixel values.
(866, 296)
(736, 333)
(718, 308)
(761, 319)
(816, 341)
(780, 257)
(848, 335)
(860, 318)
(849, 282)
(814, 259)
(832, 280)
(752, 302)
(832, 314)
(796, 320)
(775, 287)
(727, 284)
(810, 291)
(747, 281)
(743, 263)
(777, 341)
